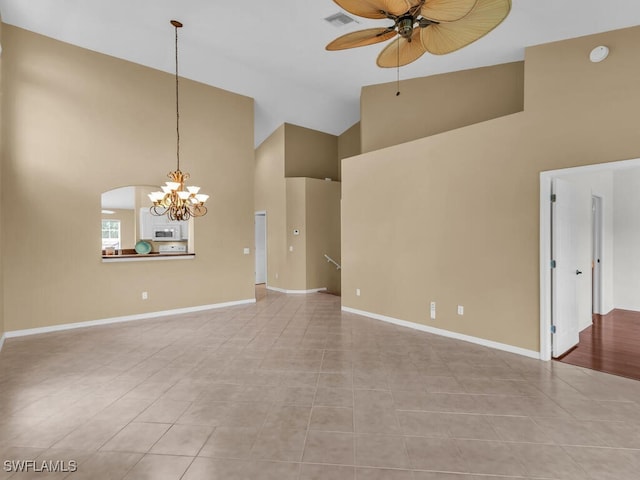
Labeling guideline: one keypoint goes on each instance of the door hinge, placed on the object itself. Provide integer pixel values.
(553, 329)
(553, 197)
(553, 264)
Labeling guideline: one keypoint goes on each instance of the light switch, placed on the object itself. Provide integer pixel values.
(247, 251)
(291, 248)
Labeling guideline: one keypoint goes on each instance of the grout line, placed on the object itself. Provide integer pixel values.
(284, 313)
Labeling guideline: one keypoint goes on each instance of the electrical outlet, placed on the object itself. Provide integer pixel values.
(276, 276)
(357, 292)
(247, 251)
(291, 248)
(460, 310)
(145, 295)
(433, 310)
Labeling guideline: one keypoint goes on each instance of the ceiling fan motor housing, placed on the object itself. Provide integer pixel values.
(405, 26)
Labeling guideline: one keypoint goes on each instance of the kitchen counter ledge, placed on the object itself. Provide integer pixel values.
(138, 257)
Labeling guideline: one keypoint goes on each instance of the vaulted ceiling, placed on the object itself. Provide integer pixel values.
(274, 51)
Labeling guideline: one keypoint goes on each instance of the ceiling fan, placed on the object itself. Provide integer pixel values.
(434, 26)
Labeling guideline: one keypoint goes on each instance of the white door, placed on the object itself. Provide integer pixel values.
(565, 212)
(261, 248)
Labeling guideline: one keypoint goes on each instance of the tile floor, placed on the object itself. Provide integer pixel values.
(291, 388)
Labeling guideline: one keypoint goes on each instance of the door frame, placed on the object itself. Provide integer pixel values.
(546, 179)
(597, 236)
(266, 263)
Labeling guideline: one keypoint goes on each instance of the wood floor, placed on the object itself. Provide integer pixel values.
(611, 345)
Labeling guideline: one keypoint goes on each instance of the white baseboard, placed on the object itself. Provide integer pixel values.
(125, 318)
(628, 308)
(447, 333)
(282, 290)
(1, 341)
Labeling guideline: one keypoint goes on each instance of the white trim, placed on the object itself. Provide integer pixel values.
(125, 318)
(628, 308)
(295, 292)
(2, 337)
(447, 333)
(546, 178)
(545, 267)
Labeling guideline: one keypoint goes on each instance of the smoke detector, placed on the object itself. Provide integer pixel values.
(598, 54)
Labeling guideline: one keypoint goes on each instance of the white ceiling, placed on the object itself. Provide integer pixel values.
(274, 51)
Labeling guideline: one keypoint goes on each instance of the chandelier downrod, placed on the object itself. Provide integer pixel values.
(177, 202)
(177, 25)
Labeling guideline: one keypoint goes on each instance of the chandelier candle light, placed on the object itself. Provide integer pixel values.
(175, 200)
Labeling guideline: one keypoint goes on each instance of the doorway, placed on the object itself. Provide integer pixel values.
(594, 245)
(261, 247)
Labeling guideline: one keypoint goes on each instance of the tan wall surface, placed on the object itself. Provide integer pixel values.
(78, 123)
(310, 153)
(296, 219)
(438, 103)
(349, 144)
(271, 197)
(322, 233)
(1, 200)
(454, 218)
(297, 203)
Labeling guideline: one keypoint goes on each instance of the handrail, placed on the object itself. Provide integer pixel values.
(331, 260)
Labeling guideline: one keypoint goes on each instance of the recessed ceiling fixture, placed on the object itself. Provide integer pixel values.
(174, 200)
(598, 54)
(434, 26)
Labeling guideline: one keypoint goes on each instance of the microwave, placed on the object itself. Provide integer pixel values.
(166, 234)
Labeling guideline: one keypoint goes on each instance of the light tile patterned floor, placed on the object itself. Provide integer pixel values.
(291, 388)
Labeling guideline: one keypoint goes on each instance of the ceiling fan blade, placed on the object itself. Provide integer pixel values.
(361, 38)
(375, 8)
(390, 57)
(443, 38)
(447, 10)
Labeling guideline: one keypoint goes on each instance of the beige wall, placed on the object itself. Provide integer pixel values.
(313, 209)
(296, 245)
(309, 205)
(438, 103)
(349, 144)
(310, 153)
(1, 196)
(322, 211)
(271, 197)
(454, 218)
(78, 123)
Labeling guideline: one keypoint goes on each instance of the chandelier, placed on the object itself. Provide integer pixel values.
(175, 200)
